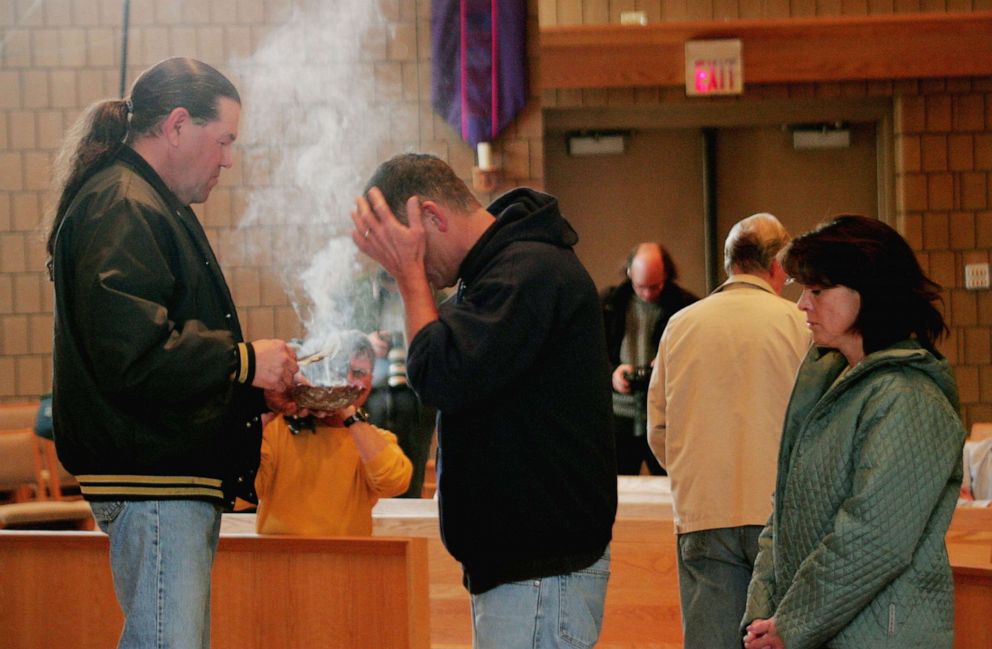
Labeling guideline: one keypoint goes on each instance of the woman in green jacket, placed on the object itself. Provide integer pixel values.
(869, 466)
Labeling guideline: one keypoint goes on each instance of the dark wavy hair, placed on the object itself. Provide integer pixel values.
(868, 256)
(94, 140)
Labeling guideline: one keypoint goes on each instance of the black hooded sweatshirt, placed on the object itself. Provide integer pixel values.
(517, 366)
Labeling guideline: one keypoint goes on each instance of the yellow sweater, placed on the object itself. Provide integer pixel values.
(315, 484)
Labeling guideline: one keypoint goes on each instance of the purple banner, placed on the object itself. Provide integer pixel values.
(479, 66)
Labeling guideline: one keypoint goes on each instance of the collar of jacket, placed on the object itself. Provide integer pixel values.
(522, 214)
(745, 279)
(134, 160)
(825, 364)
(902, 350)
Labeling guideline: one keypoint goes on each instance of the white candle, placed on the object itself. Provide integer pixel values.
(485, 151)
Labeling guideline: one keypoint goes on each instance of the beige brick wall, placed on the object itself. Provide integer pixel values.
(944, 161)
(58, 56)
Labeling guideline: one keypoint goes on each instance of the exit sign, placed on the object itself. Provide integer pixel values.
(713, 68)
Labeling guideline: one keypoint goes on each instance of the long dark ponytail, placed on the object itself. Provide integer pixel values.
(90, 143)
(95, 139)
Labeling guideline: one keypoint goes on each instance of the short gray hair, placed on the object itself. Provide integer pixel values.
(753, 244)
(424, 175)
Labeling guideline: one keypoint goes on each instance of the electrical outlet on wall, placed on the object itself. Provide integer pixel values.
(976, 276)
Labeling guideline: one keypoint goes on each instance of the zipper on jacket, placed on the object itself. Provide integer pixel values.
(892, 620)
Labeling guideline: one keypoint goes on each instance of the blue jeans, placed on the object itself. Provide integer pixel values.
(714, 572)
(546, 613)
(161, 557)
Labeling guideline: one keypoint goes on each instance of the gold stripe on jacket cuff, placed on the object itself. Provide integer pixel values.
(243, 363)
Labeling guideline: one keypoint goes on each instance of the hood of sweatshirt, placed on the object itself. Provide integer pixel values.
(521, 215)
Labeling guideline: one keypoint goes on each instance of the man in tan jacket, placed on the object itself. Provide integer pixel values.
(717, 396)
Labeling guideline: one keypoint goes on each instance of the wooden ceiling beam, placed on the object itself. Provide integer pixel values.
(846, 48)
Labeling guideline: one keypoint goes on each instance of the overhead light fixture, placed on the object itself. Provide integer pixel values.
(835, 135)
(596, 142)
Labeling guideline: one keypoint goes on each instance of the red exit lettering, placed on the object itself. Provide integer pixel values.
(714, 75)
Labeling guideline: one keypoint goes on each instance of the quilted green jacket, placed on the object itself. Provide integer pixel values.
(868, 475)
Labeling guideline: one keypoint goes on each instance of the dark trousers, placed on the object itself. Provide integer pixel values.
(398, 410)
(714, 573)
(633, 450)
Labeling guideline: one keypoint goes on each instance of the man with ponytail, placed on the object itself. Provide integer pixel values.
(158, 399)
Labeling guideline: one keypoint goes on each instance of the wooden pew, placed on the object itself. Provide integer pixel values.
(18, 415)
(286, 592)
